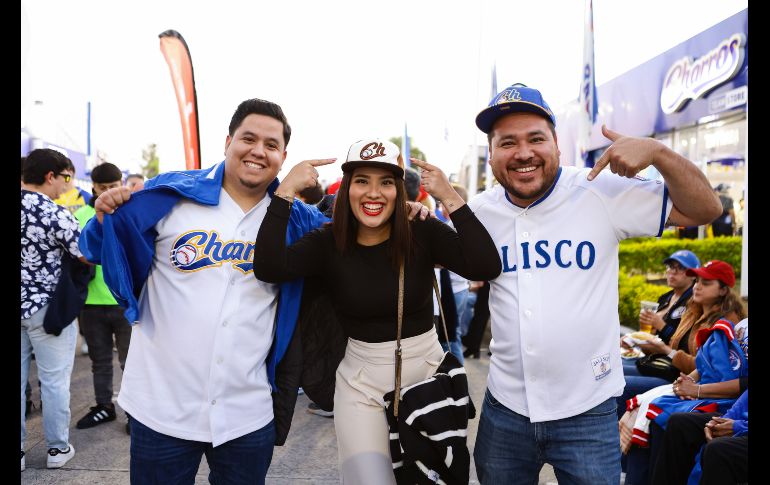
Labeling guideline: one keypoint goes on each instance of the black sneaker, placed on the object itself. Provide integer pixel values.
(99, 414)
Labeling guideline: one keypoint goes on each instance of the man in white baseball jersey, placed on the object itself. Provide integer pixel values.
(556, 365)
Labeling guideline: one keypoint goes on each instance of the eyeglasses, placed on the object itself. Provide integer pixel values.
(67, 177)
(674, 268)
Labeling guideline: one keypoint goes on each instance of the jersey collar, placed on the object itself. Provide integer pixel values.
(541, 199)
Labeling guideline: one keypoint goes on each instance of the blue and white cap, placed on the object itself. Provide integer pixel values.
(686, 258)
(514, 99)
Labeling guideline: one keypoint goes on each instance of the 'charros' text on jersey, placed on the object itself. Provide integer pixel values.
(198, 249)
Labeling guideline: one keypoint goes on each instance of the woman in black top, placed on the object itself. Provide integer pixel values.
(359, 254)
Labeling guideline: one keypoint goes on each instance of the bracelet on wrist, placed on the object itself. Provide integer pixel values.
(285, 197)
(672, 354)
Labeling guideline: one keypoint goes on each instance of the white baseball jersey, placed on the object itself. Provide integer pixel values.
(554, 307)
(196, 364)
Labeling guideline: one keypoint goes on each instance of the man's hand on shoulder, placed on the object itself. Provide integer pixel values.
(111, 200)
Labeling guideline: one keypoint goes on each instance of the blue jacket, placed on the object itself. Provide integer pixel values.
(720, 358)
(124, 244)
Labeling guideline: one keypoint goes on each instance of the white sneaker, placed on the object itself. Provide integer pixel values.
(58, 458)
(22, 461)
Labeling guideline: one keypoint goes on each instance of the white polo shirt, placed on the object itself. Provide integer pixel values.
(196, 364)
(554, 307)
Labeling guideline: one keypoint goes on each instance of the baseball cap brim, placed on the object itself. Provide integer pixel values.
(350, 166)
(487, 117)
(704, 273)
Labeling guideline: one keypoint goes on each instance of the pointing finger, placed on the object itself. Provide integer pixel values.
(611, 135)
(422, 164)
(599, 165)
(321, 161)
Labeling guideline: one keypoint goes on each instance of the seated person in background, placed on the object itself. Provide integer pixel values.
(671, 305)
(720, 376)
(712, 299)
(723, 459)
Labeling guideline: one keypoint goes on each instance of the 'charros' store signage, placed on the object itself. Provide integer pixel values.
(687, 79)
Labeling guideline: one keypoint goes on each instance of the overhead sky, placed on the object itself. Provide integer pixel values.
(342, 70)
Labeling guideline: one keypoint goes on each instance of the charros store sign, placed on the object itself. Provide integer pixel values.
(690, 79)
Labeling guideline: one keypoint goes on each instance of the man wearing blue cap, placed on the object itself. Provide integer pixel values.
(671, 305)
(556, 367)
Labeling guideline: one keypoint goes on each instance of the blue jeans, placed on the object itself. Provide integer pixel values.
(54, 356)
(463, 313)
(470, 302)
(583, 449)
(159, 459)
(455, 347)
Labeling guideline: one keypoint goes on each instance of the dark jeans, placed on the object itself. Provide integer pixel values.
(583, 449)
(681, 442)
(98, 324)
(725, 460)
(158, 459)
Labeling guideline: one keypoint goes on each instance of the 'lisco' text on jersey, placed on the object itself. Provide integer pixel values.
(543, 253)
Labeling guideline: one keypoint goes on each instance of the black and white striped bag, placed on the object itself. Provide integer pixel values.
(428, 439)
(428, 420)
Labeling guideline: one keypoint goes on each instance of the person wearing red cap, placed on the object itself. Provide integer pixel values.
(713, 306)
(712, 300)
(361, 255)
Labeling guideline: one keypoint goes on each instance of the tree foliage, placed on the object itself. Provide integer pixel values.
(151, 162)
(414, 152)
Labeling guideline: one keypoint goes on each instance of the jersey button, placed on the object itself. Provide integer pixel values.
(220, 360)
(213, 402)
(224, 324)
(525, 234)
(243, 233)
(527, 313)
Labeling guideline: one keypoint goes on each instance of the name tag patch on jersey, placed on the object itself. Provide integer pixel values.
(601, 366)
(678, 312)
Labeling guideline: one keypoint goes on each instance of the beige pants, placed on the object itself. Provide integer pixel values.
(363, 377)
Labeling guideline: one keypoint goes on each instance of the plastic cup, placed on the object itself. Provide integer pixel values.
(647, 306)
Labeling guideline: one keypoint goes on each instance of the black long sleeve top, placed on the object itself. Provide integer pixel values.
(363, 283)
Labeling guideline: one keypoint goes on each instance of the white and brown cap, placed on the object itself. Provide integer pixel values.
(373, 152)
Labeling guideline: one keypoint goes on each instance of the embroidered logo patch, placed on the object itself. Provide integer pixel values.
(735, 360)
(372, 150)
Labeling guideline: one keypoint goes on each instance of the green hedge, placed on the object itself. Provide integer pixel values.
(646, 255)
(632, 290)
